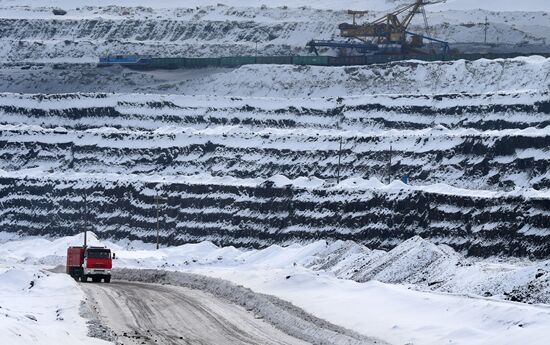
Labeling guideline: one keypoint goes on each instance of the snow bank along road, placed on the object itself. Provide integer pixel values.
(149, 313)
(157, 314)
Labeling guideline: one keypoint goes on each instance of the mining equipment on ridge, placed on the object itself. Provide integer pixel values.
(388, 34)
(384, 40)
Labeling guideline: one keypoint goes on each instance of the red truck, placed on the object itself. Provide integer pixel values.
(93, 262)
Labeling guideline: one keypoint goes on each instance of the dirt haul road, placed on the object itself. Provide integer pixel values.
(141, 313)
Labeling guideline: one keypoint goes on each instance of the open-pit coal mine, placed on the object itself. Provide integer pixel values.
(260, 171)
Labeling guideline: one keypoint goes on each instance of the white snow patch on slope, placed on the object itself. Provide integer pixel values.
(413, 261)
(427, 78)
(354, 183)
(46, 312)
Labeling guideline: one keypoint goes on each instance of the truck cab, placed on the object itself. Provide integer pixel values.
(89, 262)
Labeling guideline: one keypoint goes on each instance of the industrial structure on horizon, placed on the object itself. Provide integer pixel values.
(388, 34)
(386, 39)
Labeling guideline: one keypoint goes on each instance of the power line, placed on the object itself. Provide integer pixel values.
(486, 27)
(339, 160)
(158, 199)
(389, 165)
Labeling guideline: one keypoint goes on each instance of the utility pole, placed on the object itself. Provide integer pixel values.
(158, 199)
(129, 197)
(389, 166)
(486, 27)
(339, 160)
(85, 200)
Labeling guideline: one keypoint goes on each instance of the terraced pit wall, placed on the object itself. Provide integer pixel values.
(218, 162)
(469, 141)
(257, 216)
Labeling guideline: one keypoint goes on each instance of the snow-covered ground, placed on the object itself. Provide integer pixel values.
(398, 314)
(405, 79)
(395, 296)
(40, 307)
(425, 78)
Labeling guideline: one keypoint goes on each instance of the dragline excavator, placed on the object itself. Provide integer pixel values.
(388, 34)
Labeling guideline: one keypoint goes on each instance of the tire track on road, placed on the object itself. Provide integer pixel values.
(141, 313)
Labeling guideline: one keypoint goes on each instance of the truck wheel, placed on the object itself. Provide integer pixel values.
(96, 279)
(107, 279)
(83, 279)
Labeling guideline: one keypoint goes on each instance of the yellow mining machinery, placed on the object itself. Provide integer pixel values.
(388, 33)
(388, 28)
